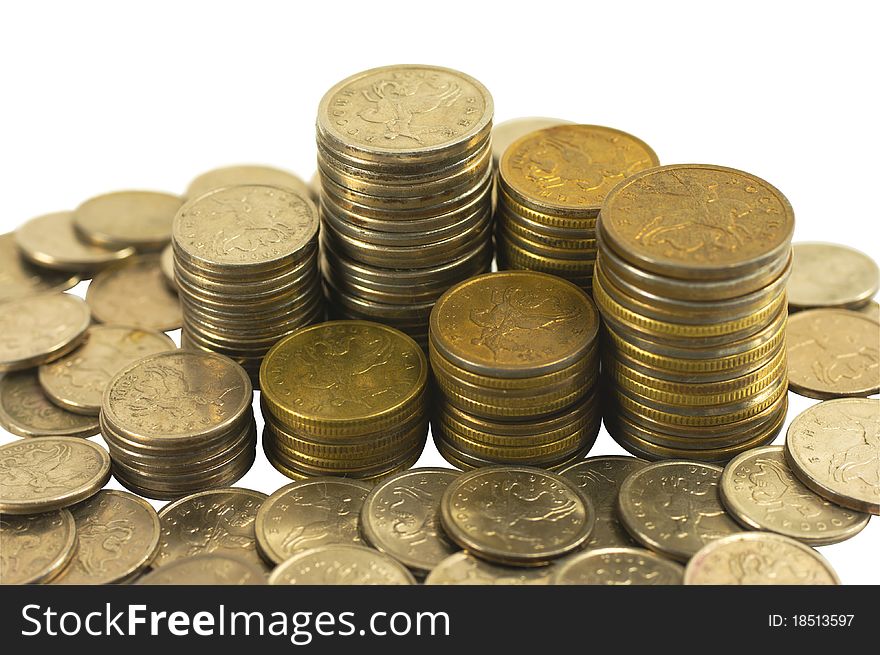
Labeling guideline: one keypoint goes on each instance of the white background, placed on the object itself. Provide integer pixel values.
(100, 96)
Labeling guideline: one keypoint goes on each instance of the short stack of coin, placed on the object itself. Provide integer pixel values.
(245, 264)
(690, 280)
(344, 398)
(515, 364)
(405, 163)
(551, 184)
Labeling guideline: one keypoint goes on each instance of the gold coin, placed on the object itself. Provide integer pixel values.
(831, 275)
(517, 257)
(210, 569)
(617, 566)
(245, 175)
(506, 133)
(462, 568)
(19, 278)
(39, 546)
(137, 219)
(341, 564)
(511, 408)
(26, 411)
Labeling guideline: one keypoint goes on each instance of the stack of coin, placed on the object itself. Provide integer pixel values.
(690, 280)
(179, 422)
(245, 264)
(551, 184)
(344, 398)
(515, 363)
(405, 163)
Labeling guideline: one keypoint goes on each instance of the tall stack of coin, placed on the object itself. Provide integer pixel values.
(515, 363)
(344, 398)
(405, 163)
(245, 264)
(690, 280)
(551, 184)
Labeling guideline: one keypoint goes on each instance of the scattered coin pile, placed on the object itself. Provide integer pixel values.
(515, 363)
(405, 163)
(690, 280)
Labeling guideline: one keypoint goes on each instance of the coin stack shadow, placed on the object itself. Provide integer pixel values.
(403, 216)
(694, 353)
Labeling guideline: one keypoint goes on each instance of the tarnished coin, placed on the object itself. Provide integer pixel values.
(516, 515)
(219, 521)
(77, 380)
(833, 353)
(228, 176)
(758, 558)
(25, 410)
(506, 132)
(339, 564)
(36, 547)
(674, 507)
(138, 219)
(166, 263)
(834, 449)
(209, 569)
(40, 329)
(617, 566)
(401, 517)
(599, 478)
(117, 536)
(135, 293)
(20, 279)
(831, 275)
(761, 492)
(51, 241)
(462, 568)
(311, 513)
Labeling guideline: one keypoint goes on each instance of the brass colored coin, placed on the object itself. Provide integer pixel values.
(27, 412)
(617, 566)
(506, 133)
(462, 568)
(117, 537)
(166, 263)
(834, 448)
(245, 175)
(833, 354)
(761, 492)
(872, 310)
(209, 569)
(138, 219)
(341, 564)
(831, 275)
(20, 279)
(516, 515)
(674, 507)
(77, 380)
(37, 330)
(758, 558)
(36, 547)
(517, 257)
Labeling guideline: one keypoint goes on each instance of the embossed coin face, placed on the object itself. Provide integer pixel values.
(834, 449)
(219, 521)
(77, 380)
(25, 410)
(135, 293)
(617, 566)
(833, 353)
(35, 547)
(514, 324)
(599, 478)
(462, 568)
(758, 558)
(692, 220)
(516, 515)
(19, 278)
(139, 219)
(830, 275)
(40, 329)
(505, 133)
(308, 514)
(228, 176)
(210, 569)
(117, 536)
(674, 507)
(401, 517)
(339, 564)
(40, 475)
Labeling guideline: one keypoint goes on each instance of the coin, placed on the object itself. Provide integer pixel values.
(831, 275)
(41, 475)
(166, 263)
(833, 354)
(462, 568)
(209, 569)
(341, 564)
(834, 447)
(135, 293)
(138, 219)
(241, 175)
(51, 241)
(19, 278)
(504, 134)
(77, 380)
(40, 329)
(36, 547)
(401, 517)
(617, 566)
(26, 411)
(117, 536)
(758, 558)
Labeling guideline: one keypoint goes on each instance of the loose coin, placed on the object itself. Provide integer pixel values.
(138, 219)
(462, 568)
(758, 558)
(36, 547)
(210, 569)
(20, 279)
(505, 133)
(617, 566)
(341, 564)
(831, 275)
(26, 411)
(229, 176)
